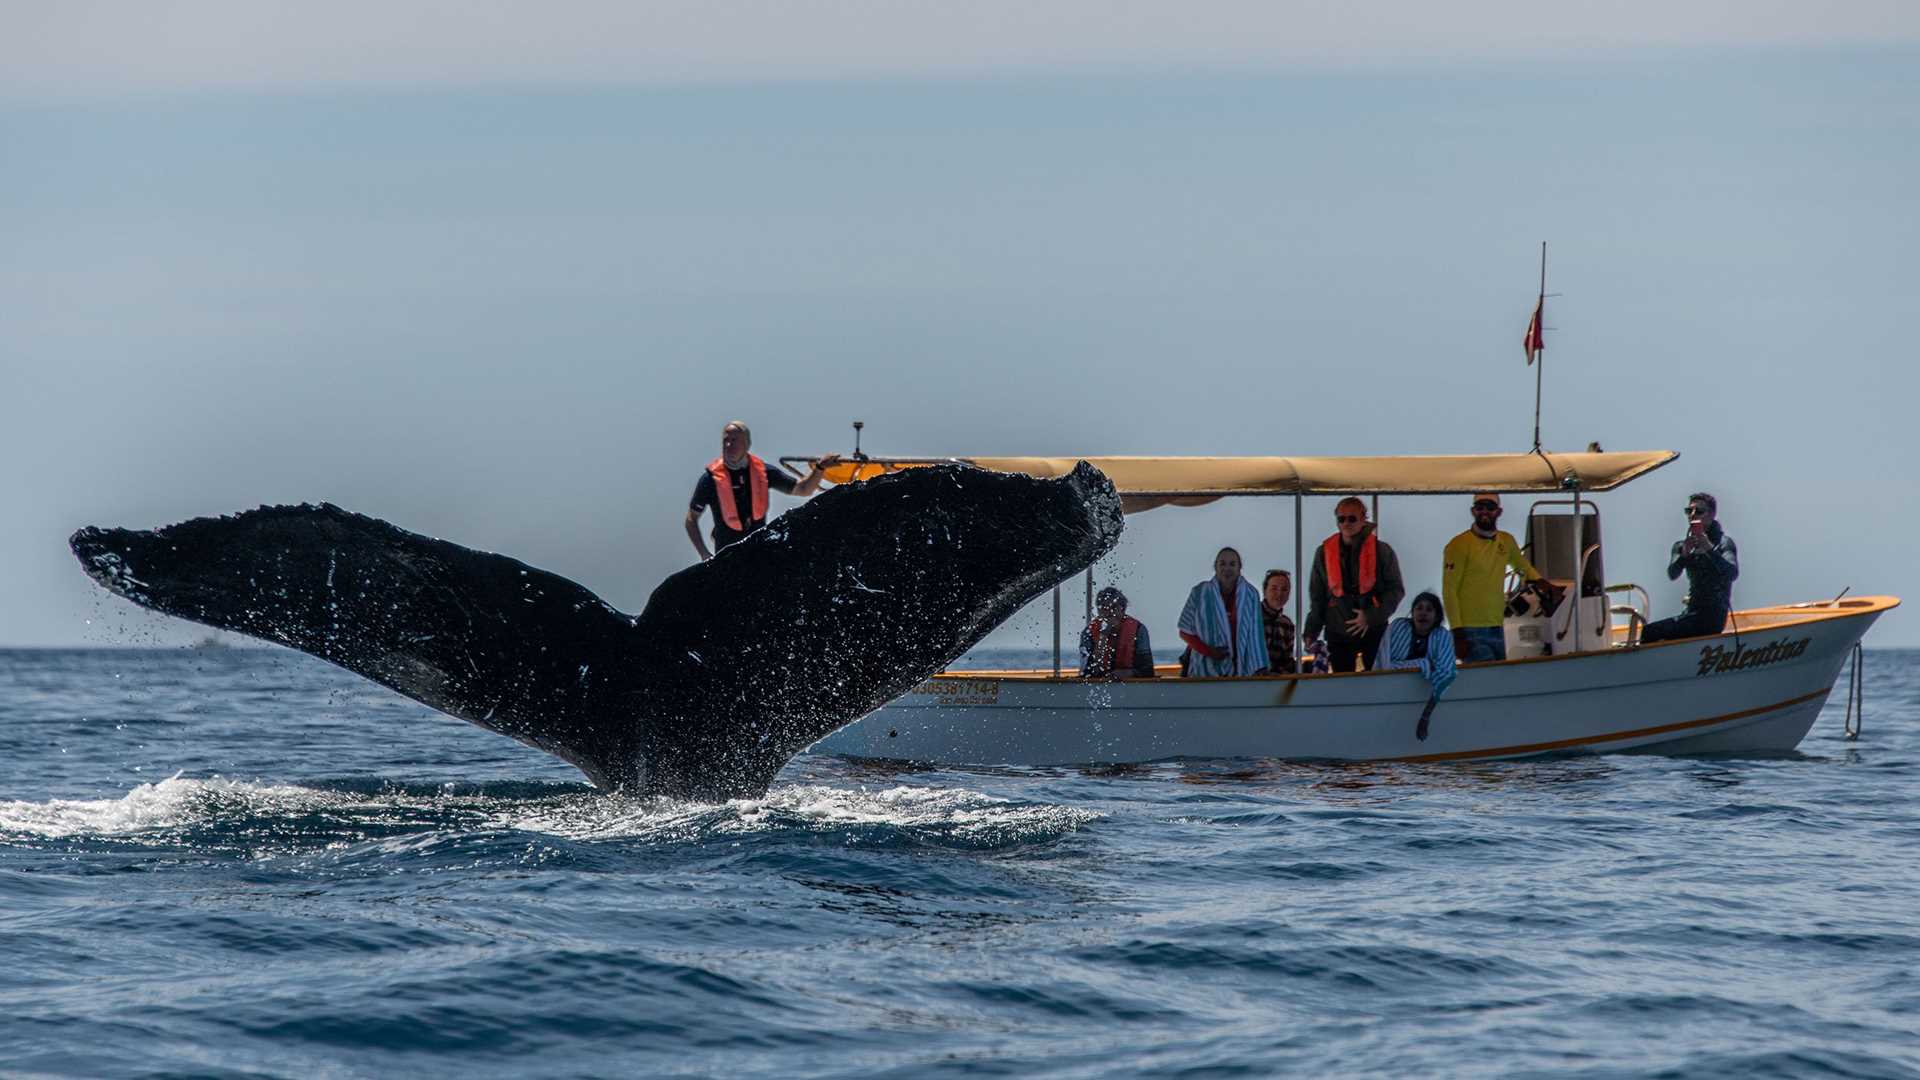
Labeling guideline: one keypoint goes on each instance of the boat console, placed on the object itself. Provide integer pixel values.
(1563, 543)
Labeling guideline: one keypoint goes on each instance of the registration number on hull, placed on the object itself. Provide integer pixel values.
(961, 691)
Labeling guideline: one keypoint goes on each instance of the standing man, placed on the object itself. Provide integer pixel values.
(1355, 588)
(735, 484)
(1472, 582)
(1711, 561)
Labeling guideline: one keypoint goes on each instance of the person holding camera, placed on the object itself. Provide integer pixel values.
(1711, 562)
(1473, 582)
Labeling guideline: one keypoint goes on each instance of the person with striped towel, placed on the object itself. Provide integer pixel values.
(1221, 623)
(1418, 641)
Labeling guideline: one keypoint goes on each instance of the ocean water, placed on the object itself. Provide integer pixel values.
(244, 862)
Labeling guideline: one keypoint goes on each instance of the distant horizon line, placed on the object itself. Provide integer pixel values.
(1012, 73)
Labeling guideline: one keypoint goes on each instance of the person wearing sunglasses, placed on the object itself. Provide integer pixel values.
(1711, 562)
(1473, 582)
(1354, 590)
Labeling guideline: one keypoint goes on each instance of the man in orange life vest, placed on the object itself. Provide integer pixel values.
(736, 484)
(1115, 644)
(1355, 588)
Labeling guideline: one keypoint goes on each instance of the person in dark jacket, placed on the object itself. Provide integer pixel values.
(1711, 562)
(1115, 645)
(736, 485)
(1355, 588)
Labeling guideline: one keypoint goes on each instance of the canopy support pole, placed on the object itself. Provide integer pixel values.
(1089, 616)
(1299, 583)
(1375, 513)
(1056, 631)
(1579, 568)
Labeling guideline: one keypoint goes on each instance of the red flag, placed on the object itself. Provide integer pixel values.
(1535, 339)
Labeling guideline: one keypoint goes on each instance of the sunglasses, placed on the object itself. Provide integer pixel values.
(1347, 519)
(1495, 507)
(1696, 511)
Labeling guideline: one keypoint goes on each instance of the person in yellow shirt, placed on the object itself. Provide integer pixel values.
(1472, 583)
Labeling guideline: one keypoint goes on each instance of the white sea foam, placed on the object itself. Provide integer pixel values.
(168, 804)
(957, 813)
(938, 813)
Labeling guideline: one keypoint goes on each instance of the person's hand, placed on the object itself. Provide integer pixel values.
(1357, 626)
(826, 463)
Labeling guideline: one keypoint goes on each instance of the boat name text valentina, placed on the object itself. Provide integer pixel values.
(1716, 658)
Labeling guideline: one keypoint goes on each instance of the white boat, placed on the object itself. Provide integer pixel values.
(1591, 687)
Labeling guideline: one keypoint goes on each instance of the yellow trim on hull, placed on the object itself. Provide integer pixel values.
(1568, 744)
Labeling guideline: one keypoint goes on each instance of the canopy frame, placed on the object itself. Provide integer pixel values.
(1143, 485)
(1149, 482)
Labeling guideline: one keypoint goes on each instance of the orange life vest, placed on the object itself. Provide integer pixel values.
(1123, 649)
(723, 491)
(1369, 565)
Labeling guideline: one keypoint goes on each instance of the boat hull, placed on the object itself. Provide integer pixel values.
(1756, 689)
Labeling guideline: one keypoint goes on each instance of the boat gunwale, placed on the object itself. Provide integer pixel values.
(1806, 612)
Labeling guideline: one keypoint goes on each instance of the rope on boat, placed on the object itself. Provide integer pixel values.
(1856, 697)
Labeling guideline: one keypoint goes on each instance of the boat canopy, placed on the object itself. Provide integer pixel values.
(1148, 482)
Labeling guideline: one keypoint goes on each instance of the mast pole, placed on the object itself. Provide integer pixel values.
(1539, 355)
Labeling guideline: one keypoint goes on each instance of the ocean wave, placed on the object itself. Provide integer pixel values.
(934, 816)
(403, 818)
(168, 804)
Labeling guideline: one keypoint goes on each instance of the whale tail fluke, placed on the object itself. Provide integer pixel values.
(735, 665)
(479, 636)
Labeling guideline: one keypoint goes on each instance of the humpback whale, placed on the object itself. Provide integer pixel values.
(735, 665)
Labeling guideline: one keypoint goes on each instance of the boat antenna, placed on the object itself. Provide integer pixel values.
(1536, 343)
(857, 455)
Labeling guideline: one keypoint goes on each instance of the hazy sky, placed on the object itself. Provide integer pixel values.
(90, 47)
(501, 277)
